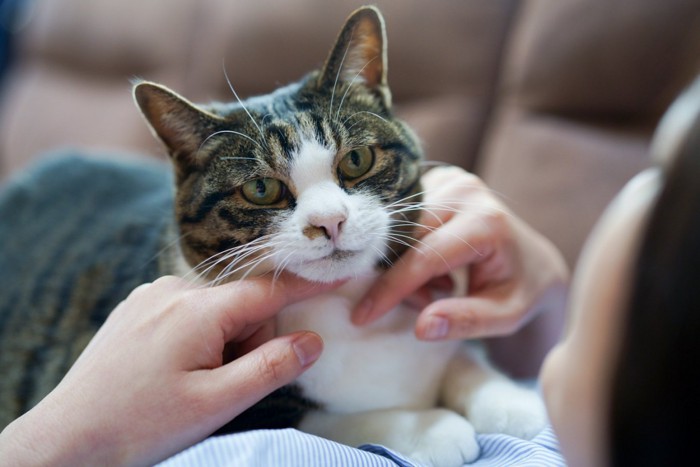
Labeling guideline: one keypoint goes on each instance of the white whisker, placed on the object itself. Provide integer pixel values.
(396, 236)
(407, 223)
(234, 267)
(282, 265)
(337, 114)
(337, 76)
(457, 200)
(403, 212)
(363, 112)
(227, 254)
(434, 229)
(238, 253)
(473, 207)
(228, 81)
(402, 200)
(172, 244)
(237, 133)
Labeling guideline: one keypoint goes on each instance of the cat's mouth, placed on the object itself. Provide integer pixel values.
(336, 255)
(337, 264)
(340, 255)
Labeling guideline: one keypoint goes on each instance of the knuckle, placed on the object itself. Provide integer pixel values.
(170, 286)
(182, 301)
(497, 221)
(448, 175)
(441, 172)
(272, 366)
(472, 179)
(167, 281)
(466, 323)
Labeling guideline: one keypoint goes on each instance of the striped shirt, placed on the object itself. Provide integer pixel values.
(290, 447)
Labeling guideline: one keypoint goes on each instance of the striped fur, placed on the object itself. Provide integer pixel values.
(77, 234)
(217, 148)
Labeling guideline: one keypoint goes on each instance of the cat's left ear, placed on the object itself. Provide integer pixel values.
(178, 123)
(359, 54)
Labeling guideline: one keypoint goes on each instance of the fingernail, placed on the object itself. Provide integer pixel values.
(361, 313)
(436, 328)
(308, 348)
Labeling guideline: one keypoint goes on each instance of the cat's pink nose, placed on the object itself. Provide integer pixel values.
(330, 225)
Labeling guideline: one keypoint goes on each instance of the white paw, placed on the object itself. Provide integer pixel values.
(446, 439)
(503, 407)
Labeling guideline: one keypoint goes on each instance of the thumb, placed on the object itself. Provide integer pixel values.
(246, 380)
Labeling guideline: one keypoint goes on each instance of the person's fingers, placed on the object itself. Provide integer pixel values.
(461, 223)
(496, 314)
(241, 304)
(247, 341)
(459, 242)
(238, 385)
(389, 289)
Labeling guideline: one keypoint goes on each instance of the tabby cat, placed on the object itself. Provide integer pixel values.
(318, 179)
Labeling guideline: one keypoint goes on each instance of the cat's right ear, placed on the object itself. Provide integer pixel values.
(178, 123)
(360, 54)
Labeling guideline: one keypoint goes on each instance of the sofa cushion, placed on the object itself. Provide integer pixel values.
(626, 59)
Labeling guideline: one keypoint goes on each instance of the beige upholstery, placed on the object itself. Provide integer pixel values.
(553, 103)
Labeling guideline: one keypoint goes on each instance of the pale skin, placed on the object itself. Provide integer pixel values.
(577, 373)
(153, 380)
(517, 278)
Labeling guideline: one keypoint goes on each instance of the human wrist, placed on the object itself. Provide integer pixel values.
(45, 436)
(18, 445)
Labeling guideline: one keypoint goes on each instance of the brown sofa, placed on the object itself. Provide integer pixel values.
(552, 103)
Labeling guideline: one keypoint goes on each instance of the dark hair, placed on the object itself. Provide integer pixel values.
(655, 400)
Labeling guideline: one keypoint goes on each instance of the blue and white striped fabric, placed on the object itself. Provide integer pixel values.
(296, 449)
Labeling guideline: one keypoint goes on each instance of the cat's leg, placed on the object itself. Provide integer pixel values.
(490, 401)
(435, 437)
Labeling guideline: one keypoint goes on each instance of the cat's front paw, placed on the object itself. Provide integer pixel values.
(503, 407)
(446, 440)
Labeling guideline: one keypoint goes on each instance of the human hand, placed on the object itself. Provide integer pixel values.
(510, 265)
(153, 381)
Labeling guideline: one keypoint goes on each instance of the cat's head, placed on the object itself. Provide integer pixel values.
(317, 178)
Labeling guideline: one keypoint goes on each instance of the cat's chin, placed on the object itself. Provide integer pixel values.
(332, 269)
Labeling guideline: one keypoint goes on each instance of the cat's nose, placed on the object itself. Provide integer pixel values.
(329, 225)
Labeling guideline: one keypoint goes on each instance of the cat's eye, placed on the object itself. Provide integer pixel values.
(263, 191)
(356, 163)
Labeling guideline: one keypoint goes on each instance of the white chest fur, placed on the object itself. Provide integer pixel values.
(372, 367)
